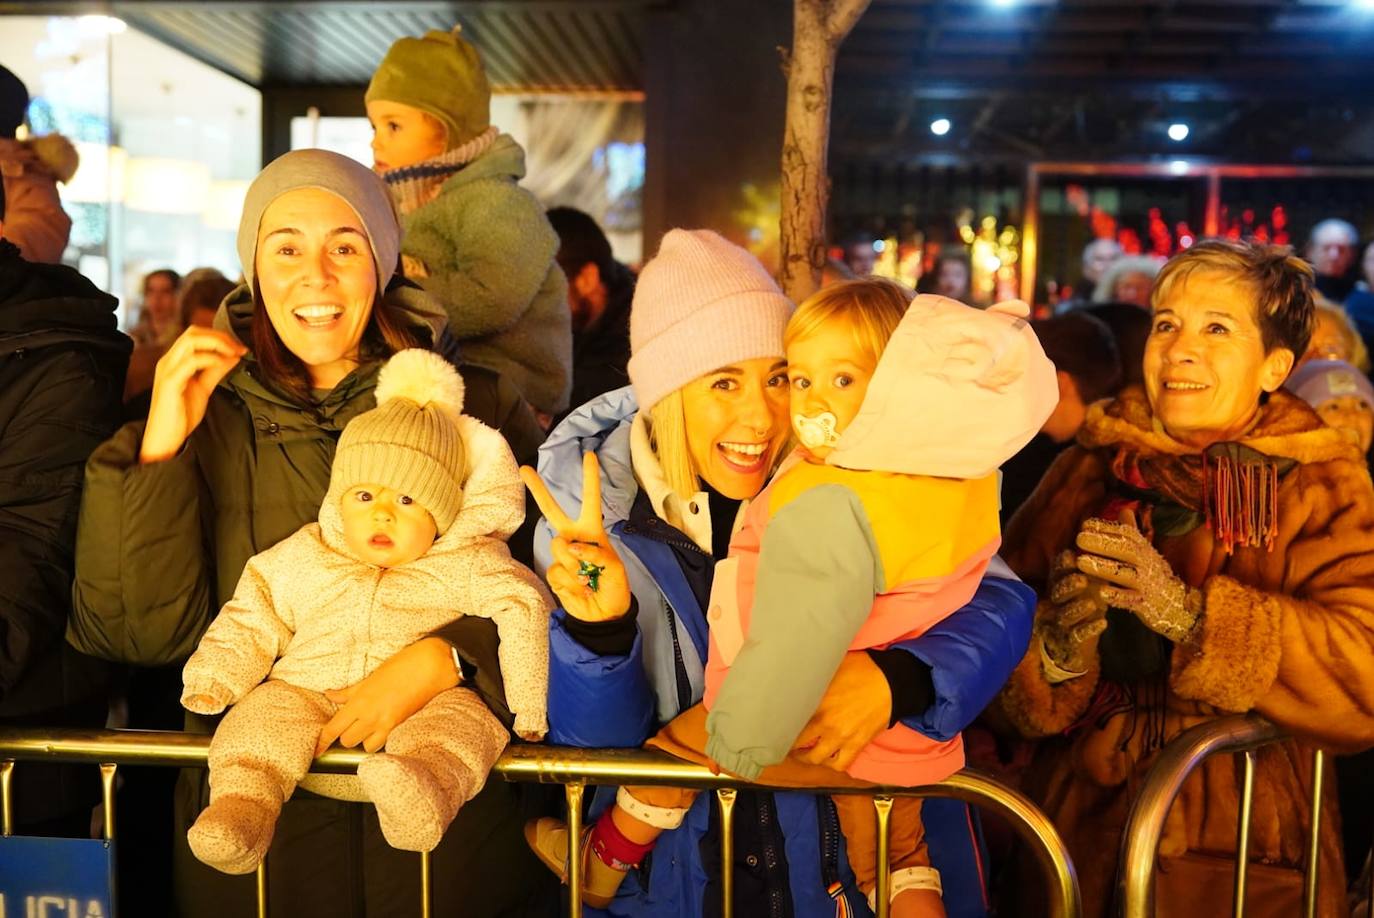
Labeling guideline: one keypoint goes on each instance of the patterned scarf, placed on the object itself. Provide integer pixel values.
(1230, 488)
(414, 186)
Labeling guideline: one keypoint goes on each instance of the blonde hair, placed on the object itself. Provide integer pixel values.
(668, 439)
(871, 307)
(1358, 354)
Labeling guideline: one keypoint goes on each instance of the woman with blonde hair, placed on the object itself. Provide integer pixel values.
(642, 489)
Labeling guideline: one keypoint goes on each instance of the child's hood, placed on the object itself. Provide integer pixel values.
(493, 496)
(958, 391)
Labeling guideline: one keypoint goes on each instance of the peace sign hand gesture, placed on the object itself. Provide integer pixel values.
(587, 575)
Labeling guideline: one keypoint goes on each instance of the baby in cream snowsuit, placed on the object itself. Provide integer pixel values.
(411, 535)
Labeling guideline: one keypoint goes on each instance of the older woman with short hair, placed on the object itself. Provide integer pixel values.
(1206, 548)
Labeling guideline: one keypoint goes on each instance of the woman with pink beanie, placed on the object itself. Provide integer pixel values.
(632, 567)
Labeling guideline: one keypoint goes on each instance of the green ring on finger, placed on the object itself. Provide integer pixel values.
(592, 573)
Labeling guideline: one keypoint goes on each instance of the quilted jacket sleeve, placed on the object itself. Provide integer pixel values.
(142, 592)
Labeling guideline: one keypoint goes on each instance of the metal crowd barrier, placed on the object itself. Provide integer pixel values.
(1240, 733)
(573, 768)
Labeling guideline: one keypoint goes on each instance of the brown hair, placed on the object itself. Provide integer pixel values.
(385, 334)
(204, 292)
(1281, 282)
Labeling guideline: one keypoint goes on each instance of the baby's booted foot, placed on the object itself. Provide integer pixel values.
(548, 839)
(413, 808)
(233, 833)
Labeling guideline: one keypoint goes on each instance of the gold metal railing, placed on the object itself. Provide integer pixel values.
(1243, 734)
(573, 768)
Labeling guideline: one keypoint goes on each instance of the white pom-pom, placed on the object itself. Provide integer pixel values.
(424, 378)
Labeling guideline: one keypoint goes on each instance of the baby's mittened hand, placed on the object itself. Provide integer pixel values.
(205, 699)
(529, 728)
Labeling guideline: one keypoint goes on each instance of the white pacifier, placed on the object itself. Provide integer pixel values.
(816, 431)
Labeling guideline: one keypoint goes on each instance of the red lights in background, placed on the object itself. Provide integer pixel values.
(1275, 230)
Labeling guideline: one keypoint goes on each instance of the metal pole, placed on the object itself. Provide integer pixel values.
(883, 895)
(725, 798)
(107, 788)
(1145, 825)
(260, 878)
(1314, 844)
(1247, 793)
(426, 886)
(6, 800)
(1030, 235)
(572, 792)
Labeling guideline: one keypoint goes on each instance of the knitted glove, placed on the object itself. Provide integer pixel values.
(1138, 578)
(1069, 630)
(206, 698)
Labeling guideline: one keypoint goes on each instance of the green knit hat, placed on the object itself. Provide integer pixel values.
(440, 74)
(410, 442)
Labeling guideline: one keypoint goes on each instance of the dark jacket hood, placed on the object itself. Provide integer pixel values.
(40, 298)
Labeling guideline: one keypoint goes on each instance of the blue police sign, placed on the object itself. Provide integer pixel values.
(56, 878)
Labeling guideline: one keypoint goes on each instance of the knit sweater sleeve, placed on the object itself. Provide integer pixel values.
(510, 594)
(251, 631)
(811, 596)
(486, 259)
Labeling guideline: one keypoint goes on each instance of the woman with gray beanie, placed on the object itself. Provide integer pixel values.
(235, 455)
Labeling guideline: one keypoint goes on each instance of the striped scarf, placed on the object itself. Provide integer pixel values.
(414, 186)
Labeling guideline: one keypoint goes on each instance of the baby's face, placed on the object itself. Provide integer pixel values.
(1351, 416)
(403, 135)
(384, 527)
(829, 374)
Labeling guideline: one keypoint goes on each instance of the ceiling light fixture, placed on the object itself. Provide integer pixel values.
(108, 25)
(940, 127)
(1178, 131)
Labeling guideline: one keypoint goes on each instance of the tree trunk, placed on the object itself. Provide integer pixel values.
(820, 26)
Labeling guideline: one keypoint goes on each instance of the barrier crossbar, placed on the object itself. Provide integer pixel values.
(574, 769)
(1237, 734)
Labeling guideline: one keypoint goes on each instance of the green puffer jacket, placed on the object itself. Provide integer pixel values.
(160, 547)
(487, 252)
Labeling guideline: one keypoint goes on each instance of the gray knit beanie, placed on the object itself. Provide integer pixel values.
(410, 442)
(353, 182)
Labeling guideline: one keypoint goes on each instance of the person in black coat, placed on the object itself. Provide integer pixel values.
(599, 293)
(62, 366)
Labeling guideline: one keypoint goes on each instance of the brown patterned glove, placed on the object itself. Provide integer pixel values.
(1076, 618)
(1138, 578)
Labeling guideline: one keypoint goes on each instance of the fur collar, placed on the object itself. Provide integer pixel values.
(1286, 426)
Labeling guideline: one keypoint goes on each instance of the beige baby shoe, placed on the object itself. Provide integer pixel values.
(233, 833)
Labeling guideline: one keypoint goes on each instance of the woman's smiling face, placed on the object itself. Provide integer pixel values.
(1205, 362)
(737, 424)
(318, 280)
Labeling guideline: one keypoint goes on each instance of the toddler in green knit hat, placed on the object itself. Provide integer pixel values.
(473, 237)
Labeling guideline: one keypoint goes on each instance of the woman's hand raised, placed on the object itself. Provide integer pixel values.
(183, 381)
(587, 575)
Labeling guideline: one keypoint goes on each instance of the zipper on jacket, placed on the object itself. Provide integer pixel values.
(684, 686)
(665, 539)
(828, 818)
(769, 832)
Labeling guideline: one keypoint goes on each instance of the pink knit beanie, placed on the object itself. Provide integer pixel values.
(702, 303)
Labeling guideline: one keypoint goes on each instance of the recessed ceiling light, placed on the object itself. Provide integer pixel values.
(940, 127)
(1178, 131)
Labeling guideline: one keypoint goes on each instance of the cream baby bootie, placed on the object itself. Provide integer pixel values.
(233, 834)
(413, 806)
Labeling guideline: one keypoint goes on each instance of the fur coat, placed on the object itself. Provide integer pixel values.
(1286, 633)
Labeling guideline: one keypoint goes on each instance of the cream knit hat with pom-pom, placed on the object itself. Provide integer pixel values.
(410, 441)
